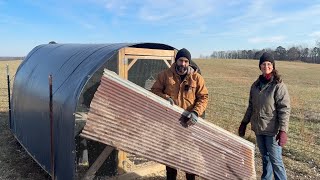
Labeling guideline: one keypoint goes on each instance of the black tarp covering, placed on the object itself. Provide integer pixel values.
(71, 66)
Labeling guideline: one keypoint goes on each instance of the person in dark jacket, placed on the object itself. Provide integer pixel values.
(269, 112)
(183, 86)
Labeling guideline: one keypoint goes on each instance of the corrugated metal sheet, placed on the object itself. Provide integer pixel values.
(71, 66)
(134, 120)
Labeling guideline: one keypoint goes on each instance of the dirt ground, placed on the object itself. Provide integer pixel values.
(15, 163)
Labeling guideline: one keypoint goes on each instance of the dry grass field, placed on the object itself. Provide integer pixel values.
(228, 82)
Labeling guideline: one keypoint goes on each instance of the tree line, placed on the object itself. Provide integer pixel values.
(295, 53)
(4, 58)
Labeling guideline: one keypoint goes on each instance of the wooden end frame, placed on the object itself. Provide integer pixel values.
(124, 66)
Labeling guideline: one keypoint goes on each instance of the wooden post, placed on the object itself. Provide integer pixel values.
(123, 72)
(122, 64)
(123, 68)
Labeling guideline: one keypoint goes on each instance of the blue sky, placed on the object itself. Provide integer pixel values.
(201, 26)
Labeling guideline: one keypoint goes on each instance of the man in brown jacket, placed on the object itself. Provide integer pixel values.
(183, 86)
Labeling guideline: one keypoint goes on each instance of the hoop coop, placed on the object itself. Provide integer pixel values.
(76, 71)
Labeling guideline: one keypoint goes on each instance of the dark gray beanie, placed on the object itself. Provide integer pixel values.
(183, 53)
(266, 56)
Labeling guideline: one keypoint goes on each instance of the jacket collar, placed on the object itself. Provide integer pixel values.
(191, 69)
(262, 83)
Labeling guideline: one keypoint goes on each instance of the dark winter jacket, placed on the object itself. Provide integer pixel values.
(269, 108)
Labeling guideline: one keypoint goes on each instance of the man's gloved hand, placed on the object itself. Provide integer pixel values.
(170, 100)
(242, 129)
(282, 138)
(193, 118)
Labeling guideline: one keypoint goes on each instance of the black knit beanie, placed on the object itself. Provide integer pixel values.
(183, 53)
(266, 56)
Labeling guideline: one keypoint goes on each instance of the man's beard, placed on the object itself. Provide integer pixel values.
(181, 69)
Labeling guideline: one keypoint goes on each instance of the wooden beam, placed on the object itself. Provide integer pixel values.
(172, 60)
(135, 59)
(123, 72)
(90, 174)
(141, 172)
(167, 63)
(122, 157)
(149, 57)
(123, 67)
(152, 52)
(132, 62)
(175, 53)
(122, 64)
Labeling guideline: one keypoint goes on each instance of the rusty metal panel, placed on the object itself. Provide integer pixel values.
(134, 120)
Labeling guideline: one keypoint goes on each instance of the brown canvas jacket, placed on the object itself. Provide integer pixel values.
(190, 94)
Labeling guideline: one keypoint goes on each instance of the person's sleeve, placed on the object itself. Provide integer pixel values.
(247, 115)
(201, 97)
(159, 86)
(283, 107)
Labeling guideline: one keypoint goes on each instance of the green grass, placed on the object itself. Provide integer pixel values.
(229, 82)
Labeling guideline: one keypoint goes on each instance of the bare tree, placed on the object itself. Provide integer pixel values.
(314, 55)
(311, 55)
(281, 53)
(304, 52)
(250, 54)
(293, 54)
(258, 54)
(244, 54)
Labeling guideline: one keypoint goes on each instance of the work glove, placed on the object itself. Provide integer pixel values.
(242, 129)
(282, 138)
(170, 100)
(193, 118)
